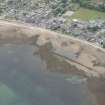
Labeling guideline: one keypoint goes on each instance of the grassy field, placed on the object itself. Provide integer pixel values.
(87, 14)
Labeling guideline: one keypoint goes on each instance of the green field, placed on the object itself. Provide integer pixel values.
(87, 14)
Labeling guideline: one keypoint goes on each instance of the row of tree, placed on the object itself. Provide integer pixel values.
(91, 4)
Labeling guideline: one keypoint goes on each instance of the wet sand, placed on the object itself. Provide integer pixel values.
(37, 78)
(58, 55)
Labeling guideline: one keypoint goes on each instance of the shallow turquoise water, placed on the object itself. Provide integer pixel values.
(26, 80)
